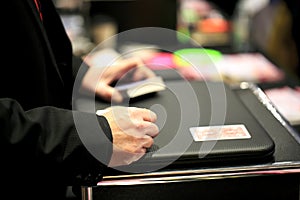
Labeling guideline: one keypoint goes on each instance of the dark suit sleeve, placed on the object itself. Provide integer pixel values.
(44, 142)
(79, 68)
(77, 64)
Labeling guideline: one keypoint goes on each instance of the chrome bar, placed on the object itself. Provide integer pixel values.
(201, 174)
(86, 193)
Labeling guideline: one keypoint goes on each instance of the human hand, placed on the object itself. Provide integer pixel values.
(99, 79)
(133, 130)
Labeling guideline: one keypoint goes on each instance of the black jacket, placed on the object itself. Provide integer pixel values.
(41, 151)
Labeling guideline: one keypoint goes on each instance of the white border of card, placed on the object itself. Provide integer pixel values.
(224, 132)
(139, 88)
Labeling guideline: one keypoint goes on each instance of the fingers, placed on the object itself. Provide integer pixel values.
(133, 130)
(109, 93)
(143, 72)
(132, 69)
(145, 114)
(142, 144)
(128, 64)
(146, 123)
(149, 128)
(147, 143)
(149, 115)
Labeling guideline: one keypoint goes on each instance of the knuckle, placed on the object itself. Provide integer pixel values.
(140, 126)
(153, 115)
(150, 142)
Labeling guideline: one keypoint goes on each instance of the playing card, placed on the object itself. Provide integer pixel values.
(142, 87)
(224, 132)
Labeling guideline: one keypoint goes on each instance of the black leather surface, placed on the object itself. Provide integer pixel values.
(242, 106)
(187, 104)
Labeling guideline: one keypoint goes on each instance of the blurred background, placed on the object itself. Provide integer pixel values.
(249, 40)
(269, 26)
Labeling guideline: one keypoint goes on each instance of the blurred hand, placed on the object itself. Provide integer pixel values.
(133, 130)
(99, 79)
